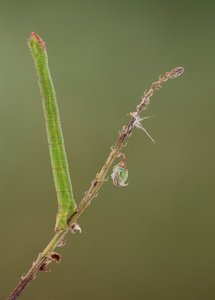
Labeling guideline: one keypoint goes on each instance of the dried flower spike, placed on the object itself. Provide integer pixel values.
(120, 172)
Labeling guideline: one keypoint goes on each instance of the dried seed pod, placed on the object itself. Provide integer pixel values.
(120, 173)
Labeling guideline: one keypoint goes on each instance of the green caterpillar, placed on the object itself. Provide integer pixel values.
(66, 202)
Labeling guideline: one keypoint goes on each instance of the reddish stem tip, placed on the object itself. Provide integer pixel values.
(35, 37)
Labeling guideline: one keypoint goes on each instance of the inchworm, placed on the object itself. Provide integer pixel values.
(66, 202)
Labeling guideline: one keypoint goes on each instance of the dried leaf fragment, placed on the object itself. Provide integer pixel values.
(55, 256)
(44, 265)
(62, 243)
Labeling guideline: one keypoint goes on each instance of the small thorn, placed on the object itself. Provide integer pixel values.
(132, 114)
(23, 277)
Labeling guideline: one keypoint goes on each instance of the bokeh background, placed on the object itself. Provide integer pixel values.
(153, 239)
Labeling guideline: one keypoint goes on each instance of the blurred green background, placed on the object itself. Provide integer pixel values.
(153, 239)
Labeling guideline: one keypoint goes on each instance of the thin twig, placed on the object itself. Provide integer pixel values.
(44, 258)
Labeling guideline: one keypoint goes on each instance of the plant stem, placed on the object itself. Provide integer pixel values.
(44, 257)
